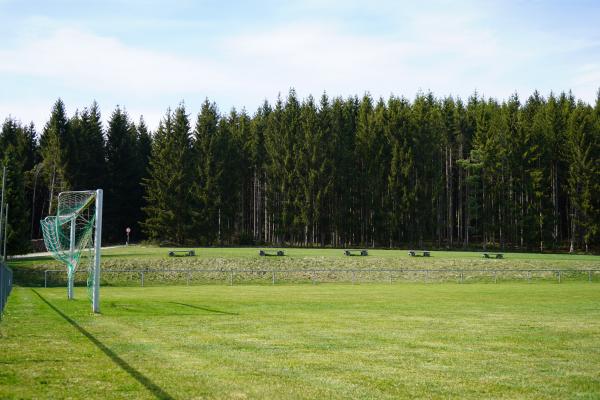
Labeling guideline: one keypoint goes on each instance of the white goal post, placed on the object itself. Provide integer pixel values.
(75, 228)
(97, 252)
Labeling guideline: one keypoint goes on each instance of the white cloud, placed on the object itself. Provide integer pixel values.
(445, 53)
(313, 58)
(81, 59)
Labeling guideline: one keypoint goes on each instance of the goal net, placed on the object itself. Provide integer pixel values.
(75, 232)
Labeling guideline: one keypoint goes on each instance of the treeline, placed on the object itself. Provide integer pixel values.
(328, 172)
(73, 153)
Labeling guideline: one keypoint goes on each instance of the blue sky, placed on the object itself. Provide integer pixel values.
(150, 55)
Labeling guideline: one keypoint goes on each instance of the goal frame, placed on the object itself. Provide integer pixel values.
(97, 244)
(97, 251)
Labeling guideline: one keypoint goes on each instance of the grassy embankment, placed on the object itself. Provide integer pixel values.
(29, 271)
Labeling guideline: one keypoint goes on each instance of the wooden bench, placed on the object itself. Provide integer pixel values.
(264, 253)
(356, 253)
(493, 255)
(414, 253)
(183, 253)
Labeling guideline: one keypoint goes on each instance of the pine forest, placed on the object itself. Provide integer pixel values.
(430, 172)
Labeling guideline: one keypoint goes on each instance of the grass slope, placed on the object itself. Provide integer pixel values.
(304, 342)
(29, 271)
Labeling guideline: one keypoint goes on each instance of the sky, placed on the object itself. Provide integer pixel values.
(147, 56)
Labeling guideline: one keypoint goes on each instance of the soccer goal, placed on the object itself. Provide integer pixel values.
(76, 231)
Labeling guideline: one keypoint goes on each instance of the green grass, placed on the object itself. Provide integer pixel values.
(378, 341)
(304, 342)
(150, 252)
(29, 271)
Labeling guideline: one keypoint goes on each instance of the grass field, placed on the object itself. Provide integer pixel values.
(149, 252)
(297, 341)
(368, 341)
(30, 270)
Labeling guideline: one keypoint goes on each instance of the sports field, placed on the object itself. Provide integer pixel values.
(406, 340)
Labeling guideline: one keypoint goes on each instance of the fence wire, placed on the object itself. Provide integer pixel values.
(157, 277)
(6, 280)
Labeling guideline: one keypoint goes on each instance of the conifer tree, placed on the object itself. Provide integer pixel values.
(143, 154)
(257, 156)
(206, 201)
(240, 179)
(306, 171)
(291, 132)
(584, 151)
(92, 144)
(14, 156)
(275, 173)
(343, 128)
(31, 147)
(322, 162)
(400, 199)
(53, 153)
(121, 196)
(342, 172)
(144, 145)
(168, 187)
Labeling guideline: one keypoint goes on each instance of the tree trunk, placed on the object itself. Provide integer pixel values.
(52, 190)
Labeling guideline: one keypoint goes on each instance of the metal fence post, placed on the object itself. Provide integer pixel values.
(341, 274)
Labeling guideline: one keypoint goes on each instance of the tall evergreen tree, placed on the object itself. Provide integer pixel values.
(53, 152)
(93, 162)
(240, 177)
(291, 131)
(144, 153)
(168, 187)
(206, 177)
(144, 145)
(342, 172)
(400, 197)
(14, 155)
(257, 157)
(122, 197)
(276, 171)
(584, 149)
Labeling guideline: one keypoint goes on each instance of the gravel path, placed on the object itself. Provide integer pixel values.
(46, 253)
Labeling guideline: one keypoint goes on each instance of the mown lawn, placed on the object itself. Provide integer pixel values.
(475, 341)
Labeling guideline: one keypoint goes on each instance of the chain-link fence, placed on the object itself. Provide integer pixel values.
(155, 277)
(6, 280)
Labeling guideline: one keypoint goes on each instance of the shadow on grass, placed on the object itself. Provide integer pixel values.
(134, 373)
(204, 308)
